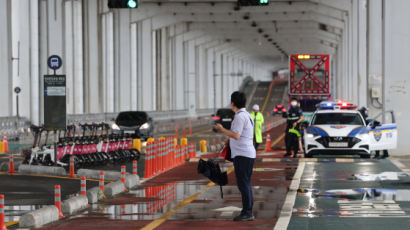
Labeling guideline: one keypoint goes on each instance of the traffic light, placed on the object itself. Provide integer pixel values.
(123, 4)
(253, 2)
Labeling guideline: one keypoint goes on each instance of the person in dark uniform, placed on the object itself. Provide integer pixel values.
(294, 117)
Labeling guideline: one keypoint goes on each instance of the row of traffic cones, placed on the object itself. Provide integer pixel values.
(183, 129)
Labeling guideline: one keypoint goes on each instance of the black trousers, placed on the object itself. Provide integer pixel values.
(243, 172)
(385, 153)
(291, 142)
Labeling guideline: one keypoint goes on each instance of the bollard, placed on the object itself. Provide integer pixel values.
(123, 210)
(176, 130)
(268, 126)
(202, 146)
(83, 190)
(134, 167)
(11, 163)
(57, 200)
(2, 222)
(1, 149)
(147, 160)
(184, 141)
(101, 183)
(5, 144)
(137, 144)
(183, 129)
(72, 175)
(190, 127)
(268, 146)
(123, 169)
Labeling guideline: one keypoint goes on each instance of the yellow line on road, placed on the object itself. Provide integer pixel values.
(51, 176)
(155, 223)
(11, 223)
(267, 97)
(278, 139)
(201, 132)
(61, 177)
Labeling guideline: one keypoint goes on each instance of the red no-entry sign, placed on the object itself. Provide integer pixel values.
(309, 74)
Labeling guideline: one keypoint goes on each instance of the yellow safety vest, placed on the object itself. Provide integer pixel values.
(258, 120)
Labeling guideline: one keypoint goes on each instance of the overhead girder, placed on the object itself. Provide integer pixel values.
(295, 33)
(256, 38)
(276, 25)
(343, 5)
(152, 8)
(293, 16)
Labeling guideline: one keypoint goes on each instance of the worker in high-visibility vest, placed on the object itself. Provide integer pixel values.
(258, 121)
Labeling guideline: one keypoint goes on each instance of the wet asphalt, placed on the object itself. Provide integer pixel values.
(331, 197)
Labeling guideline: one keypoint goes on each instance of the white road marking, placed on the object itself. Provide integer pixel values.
(286, 212)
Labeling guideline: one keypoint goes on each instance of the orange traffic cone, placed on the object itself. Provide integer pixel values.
(2, 222)
(268, 146)
(5, 144)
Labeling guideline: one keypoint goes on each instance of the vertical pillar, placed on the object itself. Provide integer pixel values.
(5, 58)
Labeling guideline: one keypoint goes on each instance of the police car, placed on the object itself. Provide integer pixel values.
(338, 128)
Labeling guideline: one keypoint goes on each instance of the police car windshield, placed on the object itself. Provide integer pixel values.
(337, 119)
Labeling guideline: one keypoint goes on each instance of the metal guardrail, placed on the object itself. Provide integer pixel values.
(158, 116)
(14, 126)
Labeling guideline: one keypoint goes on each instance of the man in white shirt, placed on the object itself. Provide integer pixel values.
(242, 151)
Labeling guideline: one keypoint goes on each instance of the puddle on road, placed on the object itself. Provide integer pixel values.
(358, 202)
(146, 203)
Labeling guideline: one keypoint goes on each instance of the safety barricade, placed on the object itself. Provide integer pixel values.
(192, 150)
(162, 155)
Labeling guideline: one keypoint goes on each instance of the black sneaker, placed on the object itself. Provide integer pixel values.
(385, 156)
(376, 157)
(244, 218)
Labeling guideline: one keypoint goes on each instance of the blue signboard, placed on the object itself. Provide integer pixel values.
(17, 90)
(54, 62)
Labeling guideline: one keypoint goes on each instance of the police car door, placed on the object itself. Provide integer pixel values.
(383, 136)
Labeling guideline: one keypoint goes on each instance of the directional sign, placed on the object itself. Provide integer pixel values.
(54, 62)
(55, 102)
(17, 90)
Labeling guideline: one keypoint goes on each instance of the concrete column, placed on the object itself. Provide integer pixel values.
(190, 76)
(396, 67)
(123, 60)
(134, 66)
(148, 83)
(179, 100)
(354, 53)
(35, 71)
(217, 79)
(210, 77)
(202, 69)
(92, 82)
(20, 33)
(5, 58)
(374, 57)
(108, 61)
(74, 56)
(165, 69)
(362, 53)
